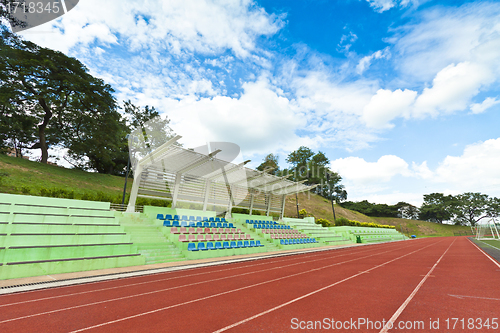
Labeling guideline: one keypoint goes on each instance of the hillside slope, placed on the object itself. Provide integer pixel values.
(320, 207)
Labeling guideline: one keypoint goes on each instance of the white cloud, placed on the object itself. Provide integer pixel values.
(452, 89)
(361, 172)
(449, 35)
(381, 6)
(179, 25)
(475, 170)
(486, 104)
(365, 62)
(385, 105)
(422, 170)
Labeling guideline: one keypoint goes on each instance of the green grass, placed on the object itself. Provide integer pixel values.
(492, 242)
(20, 176)
(319, 207)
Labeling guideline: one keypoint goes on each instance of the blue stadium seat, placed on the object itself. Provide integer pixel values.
(218, 245)
(206, 224)
(248, 221)
(257, 243)
(230, 225)
(217, 219)
(175, 223)
(192, 223)
(239, 244)
(205, 218)
(210, 246)
(191, 218)
(246, 244)
(198, 218)
(224, 225)
(168, 217)
(219, 225)
(201, 246)
(184, 224)
(252, 243)
(233, 245)
(282, 242)
(211, 219)
(192, 247)
(199, 224)
(176, 217)
(222, 219)
(226, 245)
(159, 217)
(212, 225)
(167, 223)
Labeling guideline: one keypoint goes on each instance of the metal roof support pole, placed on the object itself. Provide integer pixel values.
(283, 200)
(176, 189)
(230, 208)
(251, 203)
(268, 204)
(208, 182)
(135, 189)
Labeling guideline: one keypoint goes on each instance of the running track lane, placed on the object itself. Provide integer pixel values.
(372, 280)
(465, 286)
(64, 319)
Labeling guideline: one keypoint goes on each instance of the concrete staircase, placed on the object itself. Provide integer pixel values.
(146, 234)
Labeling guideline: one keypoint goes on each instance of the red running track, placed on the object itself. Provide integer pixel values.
(418, 285)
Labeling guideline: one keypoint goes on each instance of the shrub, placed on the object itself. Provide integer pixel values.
(324, 222)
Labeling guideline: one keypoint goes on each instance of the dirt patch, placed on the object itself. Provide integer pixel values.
(425, 230)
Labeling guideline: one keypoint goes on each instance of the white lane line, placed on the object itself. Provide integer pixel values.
(228, 292)
(180, 277)
(398, 312)
(314, 292)
(463, 296)
(486, 254)
(181, 286)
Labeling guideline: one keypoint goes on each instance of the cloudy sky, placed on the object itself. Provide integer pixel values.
(401, 95)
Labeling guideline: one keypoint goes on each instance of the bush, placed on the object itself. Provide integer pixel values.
(324, 222)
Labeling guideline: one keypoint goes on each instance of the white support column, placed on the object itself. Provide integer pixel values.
(135, 189)
(176, 189)
(208, 182)
(251, 203)
(283, 207)
(268, 204)
(230, 199)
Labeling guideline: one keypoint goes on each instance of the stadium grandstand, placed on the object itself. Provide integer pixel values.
(44, 236)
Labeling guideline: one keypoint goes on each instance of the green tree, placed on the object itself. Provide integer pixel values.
(299, 159)
(60, 86)
(407, 211)
(437, 208)
(270, 164)
(471, 207)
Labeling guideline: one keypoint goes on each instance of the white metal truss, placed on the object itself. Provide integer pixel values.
(181, 175)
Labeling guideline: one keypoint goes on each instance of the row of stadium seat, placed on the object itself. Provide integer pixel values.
(297, 241)
(271, 226)
(222, 245)
(260, 222)
(168, 223)
(281, 231)
(290, 236)
(209, 237)
(190, 218)
(184, 230)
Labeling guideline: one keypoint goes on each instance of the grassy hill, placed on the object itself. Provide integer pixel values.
(319, 207)
(20, 176)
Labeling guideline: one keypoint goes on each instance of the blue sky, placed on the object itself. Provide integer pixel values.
(401, 96)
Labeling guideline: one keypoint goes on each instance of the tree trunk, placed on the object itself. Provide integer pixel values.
(41, 130)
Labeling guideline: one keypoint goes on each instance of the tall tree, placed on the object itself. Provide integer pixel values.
(470, 208)
(270, 164)
(437, 208)
(59, 85)
(299, 159)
